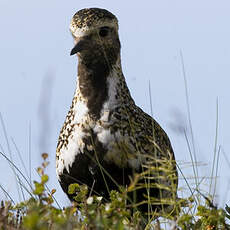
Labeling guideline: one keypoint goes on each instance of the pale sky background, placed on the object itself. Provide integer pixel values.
(38, 77)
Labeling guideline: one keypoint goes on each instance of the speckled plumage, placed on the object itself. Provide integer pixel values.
(104, 131)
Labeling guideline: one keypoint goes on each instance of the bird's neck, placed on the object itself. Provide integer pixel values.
(92, 87)
(101, 87)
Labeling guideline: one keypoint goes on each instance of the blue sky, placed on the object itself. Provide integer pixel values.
(38, 76)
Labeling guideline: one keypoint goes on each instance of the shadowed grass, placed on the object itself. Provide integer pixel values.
(39, 213)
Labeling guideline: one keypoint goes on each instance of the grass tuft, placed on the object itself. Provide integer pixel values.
(39, 212)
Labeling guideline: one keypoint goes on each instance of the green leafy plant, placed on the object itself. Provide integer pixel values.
(40, 213)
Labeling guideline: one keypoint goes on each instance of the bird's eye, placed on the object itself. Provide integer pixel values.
(104, 31)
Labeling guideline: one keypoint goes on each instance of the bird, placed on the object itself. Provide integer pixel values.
(106, 139)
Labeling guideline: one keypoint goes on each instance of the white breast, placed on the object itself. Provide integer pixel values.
(75, 144)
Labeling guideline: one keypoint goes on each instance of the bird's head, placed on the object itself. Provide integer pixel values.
(95, 32)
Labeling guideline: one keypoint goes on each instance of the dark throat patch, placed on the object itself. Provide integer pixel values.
(93, 86)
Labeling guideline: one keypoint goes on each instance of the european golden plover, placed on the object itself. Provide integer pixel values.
(106, 138)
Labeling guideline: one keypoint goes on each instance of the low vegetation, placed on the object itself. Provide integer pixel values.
(40, 212)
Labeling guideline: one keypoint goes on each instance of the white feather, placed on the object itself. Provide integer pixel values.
(85, 30)
(75, 143)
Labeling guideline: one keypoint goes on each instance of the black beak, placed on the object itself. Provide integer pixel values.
(78, 47)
